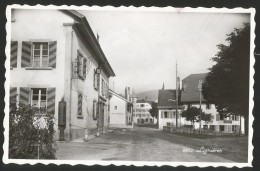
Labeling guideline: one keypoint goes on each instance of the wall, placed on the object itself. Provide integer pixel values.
(31, 25)
(117, 116)
(86, 87)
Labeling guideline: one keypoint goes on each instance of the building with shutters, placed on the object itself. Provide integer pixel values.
(190, 96)
(167, 106)
(141, 114)
(121, 110)
(54, 55)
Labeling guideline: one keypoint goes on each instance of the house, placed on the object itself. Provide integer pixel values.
(141, 114)
(190, 96)
(121, 110)
(55, 55)
(167, 106)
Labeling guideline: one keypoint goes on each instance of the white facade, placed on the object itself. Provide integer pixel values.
(141, 113)
(167, 117)
(87, 102)
(120, 111)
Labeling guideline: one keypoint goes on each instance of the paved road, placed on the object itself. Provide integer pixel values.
(142, 144)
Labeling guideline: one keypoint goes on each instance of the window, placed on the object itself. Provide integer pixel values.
(81, 65)
(212, 127)
(205, 127)
(115, 107)
(142, 105)
(233, 128)
(221, 116)
(174, 113)
(40, 54)
(221, 128)
(165, 114)
(95, 80)
(39, 99)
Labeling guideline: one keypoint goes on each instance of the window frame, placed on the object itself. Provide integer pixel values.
(80, 64)
(39, 100)
(41, 54)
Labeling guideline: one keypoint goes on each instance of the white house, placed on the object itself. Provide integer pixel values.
(55, 55)
(121, 110)
(141, 114)
(190, 96)
(167, 109)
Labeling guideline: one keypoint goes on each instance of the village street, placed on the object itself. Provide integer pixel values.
(142, 144)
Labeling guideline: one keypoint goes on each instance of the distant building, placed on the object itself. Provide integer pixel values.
(121, 110)
(190, 97)
(141, 113)
(167, 109)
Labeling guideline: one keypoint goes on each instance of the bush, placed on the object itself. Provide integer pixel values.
(29, 132)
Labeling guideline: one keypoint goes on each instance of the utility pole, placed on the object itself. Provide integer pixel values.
(176, 95)
(200, 88)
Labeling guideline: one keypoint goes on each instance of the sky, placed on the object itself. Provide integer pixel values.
(143, 47)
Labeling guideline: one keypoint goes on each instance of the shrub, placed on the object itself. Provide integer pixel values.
(31, 136)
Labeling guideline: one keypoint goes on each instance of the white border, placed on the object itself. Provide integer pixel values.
(128, 163)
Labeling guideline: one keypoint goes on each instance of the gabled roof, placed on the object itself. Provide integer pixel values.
(82, 25)
(167, 99)
(190, 91)
(119, 96)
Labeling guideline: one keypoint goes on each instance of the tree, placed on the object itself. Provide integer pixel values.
(28, 131)
(154, 110)
(193, 114)
(227, 83)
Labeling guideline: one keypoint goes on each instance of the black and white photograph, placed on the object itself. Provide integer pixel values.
(129, 86)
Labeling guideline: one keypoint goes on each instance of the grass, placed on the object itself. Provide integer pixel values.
(233, 148)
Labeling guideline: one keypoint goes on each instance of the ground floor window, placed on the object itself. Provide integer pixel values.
(221, 128)
(205, 126)
(234, 128)
(39, 99)
(212, 127)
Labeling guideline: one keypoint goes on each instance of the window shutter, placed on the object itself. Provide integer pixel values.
(24, 95)
(98, 81)
(217, 117)
(79, 104)
(26, 54)
(13, 54)
(78, 64)
(84, 68)
(13, 94)
(237, 118)
(52, 53)
(51, 100)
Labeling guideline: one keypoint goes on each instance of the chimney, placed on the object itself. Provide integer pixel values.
(98, 37)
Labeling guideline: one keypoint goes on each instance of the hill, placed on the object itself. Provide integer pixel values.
(151, 95)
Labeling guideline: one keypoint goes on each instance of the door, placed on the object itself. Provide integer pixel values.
(101, 115)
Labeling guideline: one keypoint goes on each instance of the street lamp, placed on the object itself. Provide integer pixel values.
(200, 89)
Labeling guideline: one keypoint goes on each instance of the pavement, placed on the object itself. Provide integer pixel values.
(140, 144)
